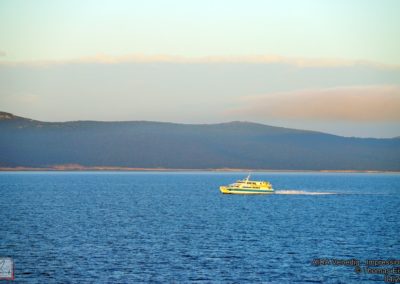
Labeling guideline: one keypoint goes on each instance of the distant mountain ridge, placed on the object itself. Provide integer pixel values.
(144, 144)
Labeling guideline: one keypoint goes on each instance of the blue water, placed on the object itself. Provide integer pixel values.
(116, 227)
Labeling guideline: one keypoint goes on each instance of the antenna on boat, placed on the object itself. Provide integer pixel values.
(248, 177)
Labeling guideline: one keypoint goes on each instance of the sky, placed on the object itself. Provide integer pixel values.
(331, 66)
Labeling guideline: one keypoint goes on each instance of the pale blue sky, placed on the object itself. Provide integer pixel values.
(324, 65)
(349, 29)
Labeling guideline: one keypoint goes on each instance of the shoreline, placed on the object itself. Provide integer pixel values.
(78, 168)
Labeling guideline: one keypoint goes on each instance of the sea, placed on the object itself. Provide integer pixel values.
(176, 227)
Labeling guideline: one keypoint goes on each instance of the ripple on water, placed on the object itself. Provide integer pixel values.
(177, 227)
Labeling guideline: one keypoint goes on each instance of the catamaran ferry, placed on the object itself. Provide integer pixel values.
(247, 186)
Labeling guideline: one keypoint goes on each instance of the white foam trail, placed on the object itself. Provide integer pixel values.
(301, 192)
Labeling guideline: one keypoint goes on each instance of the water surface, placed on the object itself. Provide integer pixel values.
(120, 227)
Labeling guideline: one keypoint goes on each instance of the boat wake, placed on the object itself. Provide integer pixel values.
(301, 192)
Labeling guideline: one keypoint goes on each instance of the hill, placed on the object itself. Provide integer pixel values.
(144, 144)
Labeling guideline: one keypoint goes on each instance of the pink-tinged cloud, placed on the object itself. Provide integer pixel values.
(254, 59)
(250, 59)
(356, 104)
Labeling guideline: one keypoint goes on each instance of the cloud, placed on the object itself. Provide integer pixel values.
(357, 104)
(28, 99)
(267, 59)
(250, 59)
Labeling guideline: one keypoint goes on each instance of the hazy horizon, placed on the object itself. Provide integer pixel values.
(323, 66)
(198, 123)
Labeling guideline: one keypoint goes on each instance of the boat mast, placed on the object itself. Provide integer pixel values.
(248, 177)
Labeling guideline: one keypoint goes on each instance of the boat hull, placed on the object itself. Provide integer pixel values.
(230, 190)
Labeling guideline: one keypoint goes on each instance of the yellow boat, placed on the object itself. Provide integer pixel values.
(247, 186)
